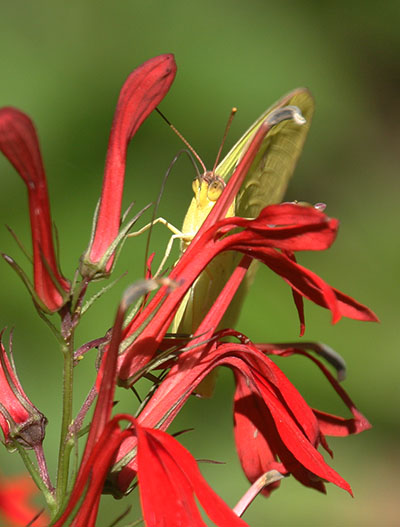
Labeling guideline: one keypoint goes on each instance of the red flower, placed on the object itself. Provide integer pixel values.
(275, 429)
(293, 427)
(19, 419)
(168, 475)
(268, 409)
(265, 441)
(272, 420)
(272, 237)
(278, 229)
(19, 143)
(143, 90)
(169, 480)
(15, 502)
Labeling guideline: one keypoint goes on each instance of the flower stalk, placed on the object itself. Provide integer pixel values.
(263, 481)
(65, 448)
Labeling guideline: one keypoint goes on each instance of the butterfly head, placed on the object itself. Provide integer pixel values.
(207, 189)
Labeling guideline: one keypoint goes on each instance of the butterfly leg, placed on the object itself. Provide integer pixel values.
(177, 235)
(163, 221)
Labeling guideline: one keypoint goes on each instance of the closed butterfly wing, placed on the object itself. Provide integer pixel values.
(269, 175)
(264, 184)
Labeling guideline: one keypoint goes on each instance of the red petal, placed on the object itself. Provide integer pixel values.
(169, 479)
(303, 229)
(251, 433)
(296, 443)
(143, 90)
(298, 299)
(352, 309)
(334, 425)
(302, 280)
(331, 424)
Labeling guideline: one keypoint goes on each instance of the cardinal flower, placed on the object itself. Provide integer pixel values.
(169, 478)
(143, 90)
(286, 431)
(20, 144)
(20, 420)
(268, 238)
(275, 429)
(289, 427)
(272, 238)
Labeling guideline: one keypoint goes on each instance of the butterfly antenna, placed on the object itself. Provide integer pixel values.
(227, 127)
(196, 155)
(157, 203)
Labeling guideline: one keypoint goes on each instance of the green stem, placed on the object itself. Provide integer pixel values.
(48, 496)
(64, 453)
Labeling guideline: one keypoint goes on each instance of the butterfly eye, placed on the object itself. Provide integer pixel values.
(215, 189)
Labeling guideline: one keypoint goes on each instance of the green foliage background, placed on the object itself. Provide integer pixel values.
(64, 63)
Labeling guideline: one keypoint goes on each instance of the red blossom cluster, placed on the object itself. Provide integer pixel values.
(276, 432)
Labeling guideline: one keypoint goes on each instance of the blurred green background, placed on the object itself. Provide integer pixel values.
(64, 65)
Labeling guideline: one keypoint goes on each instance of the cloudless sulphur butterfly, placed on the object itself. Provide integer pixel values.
(265, 184)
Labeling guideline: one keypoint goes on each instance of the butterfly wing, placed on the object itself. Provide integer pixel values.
(264, 184)
(268, 177)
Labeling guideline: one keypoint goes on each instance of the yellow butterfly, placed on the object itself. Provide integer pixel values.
(264, 184)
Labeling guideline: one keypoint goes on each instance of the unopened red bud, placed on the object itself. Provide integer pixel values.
(20, 144)
(142, 91)
(20, 420)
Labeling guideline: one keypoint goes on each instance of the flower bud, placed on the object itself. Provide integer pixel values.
(142, 91)
(20, 420)
(20, 144)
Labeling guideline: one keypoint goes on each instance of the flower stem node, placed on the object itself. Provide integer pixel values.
(96, 270)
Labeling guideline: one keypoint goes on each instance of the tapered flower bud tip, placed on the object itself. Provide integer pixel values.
(46, 299)
(169, 62)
